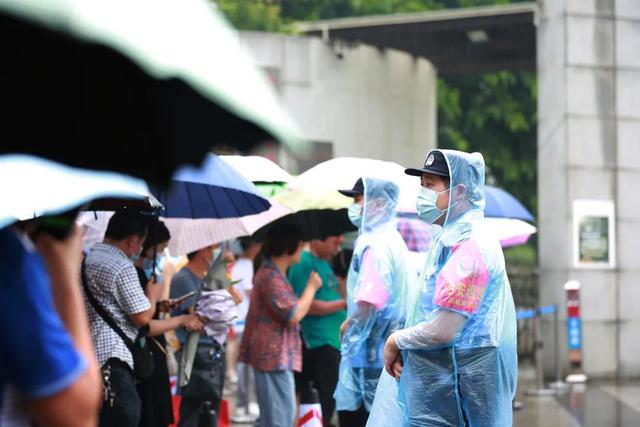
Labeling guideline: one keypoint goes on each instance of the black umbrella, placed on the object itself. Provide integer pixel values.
(315, 223)
(134, 87)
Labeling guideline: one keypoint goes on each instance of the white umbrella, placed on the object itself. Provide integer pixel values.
(95, 225)
(343, 172)
(189, 235)
(32, 186)
(258, 169)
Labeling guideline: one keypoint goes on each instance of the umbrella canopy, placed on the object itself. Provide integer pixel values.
(271, 189)
(319, 212)
(415, 232)
(35, 187)
(314, 197)
(215, 190)
(343, 172)
(190, 235)
(501, 204)
(510, 232)
(315, 223)
(151, 85)
(95, 225)
(258, 169)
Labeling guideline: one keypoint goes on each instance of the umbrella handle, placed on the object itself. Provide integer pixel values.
(188, 356)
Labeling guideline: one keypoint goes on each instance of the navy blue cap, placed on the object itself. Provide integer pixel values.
(435, 163)
(357, 190)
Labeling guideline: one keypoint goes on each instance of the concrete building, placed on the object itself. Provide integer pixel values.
(586, 53)
(589, 149)
(351, 100)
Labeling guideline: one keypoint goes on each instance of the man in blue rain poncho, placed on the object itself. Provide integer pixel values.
(377, 296)
(455, 362)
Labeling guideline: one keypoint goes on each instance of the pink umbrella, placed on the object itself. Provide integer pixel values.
(510, 232)
(188, 235)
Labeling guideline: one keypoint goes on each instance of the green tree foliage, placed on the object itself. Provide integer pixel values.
(255, 15)
(311, 10)
(375, 7)
(493, 113)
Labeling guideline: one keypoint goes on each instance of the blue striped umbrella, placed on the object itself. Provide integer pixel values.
(215, 190)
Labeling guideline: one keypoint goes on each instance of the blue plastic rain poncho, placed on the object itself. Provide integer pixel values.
(377, 296)
(459, 345)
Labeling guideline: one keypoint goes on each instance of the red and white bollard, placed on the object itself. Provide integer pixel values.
(310, 409)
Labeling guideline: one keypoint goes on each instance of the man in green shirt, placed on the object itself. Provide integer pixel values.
(321, 326)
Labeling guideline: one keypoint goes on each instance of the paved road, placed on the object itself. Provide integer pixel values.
(596, 404)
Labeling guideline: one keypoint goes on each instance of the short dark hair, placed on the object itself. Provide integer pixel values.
(246, 242)
(192, 255)
(283, 239)
(157, 233)
(124, 224)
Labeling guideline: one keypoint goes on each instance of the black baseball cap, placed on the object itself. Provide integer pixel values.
(435, 163)
(357, 190)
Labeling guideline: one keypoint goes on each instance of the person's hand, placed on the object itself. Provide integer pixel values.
(343, 287)
(164, 306)
(62, 257)
(192, 322)
(314, 281)
(343, 327)
(229, 260)
(392, 358)
(168, 305)
(168, 270)
(236, 295)
(397, 367)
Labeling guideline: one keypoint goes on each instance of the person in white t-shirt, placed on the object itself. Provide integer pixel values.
(243, 271)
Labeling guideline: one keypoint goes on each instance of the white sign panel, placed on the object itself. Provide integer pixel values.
(594, 234)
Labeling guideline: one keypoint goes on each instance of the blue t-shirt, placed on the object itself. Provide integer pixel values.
(37, 356)
(183, 282)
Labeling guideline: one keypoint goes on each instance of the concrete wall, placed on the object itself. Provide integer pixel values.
(589, 148)
(366, 102)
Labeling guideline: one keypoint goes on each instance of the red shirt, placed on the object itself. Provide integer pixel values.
(269, 342)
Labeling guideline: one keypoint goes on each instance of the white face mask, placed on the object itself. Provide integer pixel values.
(136, 256)
(355, 214)
(148, 264)
(426, 205)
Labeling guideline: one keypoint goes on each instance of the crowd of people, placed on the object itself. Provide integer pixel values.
(382, 345)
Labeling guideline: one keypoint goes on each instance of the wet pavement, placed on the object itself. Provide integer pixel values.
(595, 404)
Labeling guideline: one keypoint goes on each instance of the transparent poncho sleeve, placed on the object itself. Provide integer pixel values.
(459, 289)
(372, 295)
